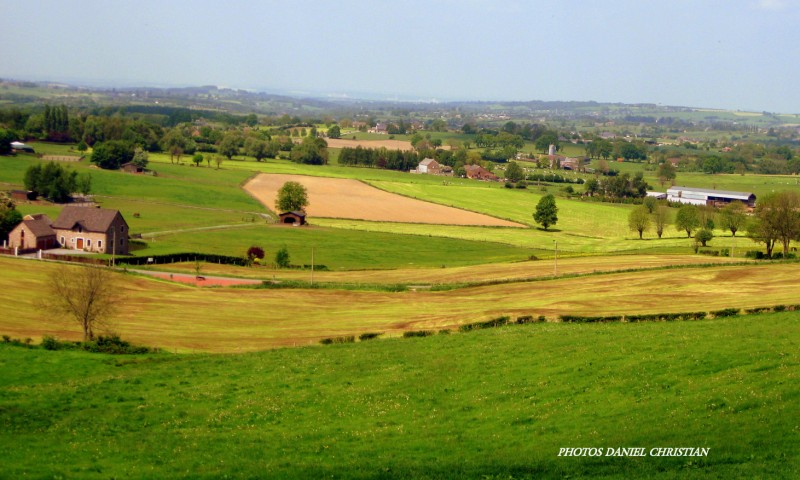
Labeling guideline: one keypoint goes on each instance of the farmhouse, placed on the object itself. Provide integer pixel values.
(429, 166)
(477, 172)
(92, 229)
(33, 233)
(295, 218)
(707, 196)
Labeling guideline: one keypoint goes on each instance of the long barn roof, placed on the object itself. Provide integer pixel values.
(709, 192)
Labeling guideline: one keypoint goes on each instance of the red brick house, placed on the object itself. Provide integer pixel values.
(91, 229)
(479, 173)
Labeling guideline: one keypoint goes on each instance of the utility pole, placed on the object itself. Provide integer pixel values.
(312, 266)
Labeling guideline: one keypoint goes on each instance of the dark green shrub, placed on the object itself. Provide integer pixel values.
(417, 333)
(369, 336)
(50, 343)
(326, 341)
(779, 308)
(444, 331)
(726, 312)
(524, 319)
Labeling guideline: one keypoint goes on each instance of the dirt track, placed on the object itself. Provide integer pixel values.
(346, 198)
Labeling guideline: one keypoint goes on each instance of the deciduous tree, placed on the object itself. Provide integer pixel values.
(546, 211)
(292, 196)
(687, 219)
(639, 220)
(86, 295)
(661, 218)
(733, 217)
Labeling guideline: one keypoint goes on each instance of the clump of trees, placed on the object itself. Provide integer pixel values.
(618, 187)
(776, 220)
(9, 216)
(54, 182)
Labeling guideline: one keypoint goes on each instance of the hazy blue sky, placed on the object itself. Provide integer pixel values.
(738, 54)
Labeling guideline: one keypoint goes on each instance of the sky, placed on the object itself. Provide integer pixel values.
(731, 54)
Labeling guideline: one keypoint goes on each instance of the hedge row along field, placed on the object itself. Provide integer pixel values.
(526, 319)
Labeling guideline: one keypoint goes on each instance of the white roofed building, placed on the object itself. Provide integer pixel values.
(707, 196)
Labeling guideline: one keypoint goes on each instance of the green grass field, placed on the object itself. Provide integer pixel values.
(494, 404)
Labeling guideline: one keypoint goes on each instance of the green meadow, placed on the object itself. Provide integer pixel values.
(497, 403)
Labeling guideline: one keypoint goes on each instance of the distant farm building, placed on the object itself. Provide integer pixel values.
(131, 168)
(21, 147)
(477, 172)
(22, 195)
(707, 196)
(429, 166)
(657, 195)
(293, 218)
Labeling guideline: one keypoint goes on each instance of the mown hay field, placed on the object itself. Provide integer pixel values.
(234, 319)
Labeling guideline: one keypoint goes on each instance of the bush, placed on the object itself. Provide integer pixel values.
(344, 339)
(417, 333)
(726, 312)
(50, 343)
(755, 254)
(369, 336)
(495, 322)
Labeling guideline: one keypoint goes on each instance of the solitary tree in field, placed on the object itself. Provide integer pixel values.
(197, 159)
(86, 295)
(546, 211)
(660, 218)
(639, 220)
(687, 219)
(292, 196)
(334, 132)
(733, 217)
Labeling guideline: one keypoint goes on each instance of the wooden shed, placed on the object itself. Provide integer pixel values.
(293, 218)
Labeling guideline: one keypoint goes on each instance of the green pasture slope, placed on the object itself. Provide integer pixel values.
(494, 404)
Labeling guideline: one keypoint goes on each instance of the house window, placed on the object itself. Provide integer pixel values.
(62, 241)
(72, 240)
(88, 242)
(122, 229)
(99, 244)
(122, 241)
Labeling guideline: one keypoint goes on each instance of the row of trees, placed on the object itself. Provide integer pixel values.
(776, 220)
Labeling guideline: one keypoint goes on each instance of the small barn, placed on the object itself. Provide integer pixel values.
(131, 168)
(293, 218)
(22, 195)
(21, 147)
(33, 233)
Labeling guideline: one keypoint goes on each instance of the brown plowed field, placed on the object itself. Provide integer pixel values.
(346, 198)
(389, 144)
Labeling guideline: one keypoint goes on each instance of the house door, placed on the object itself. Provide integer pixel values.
(79, 244)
